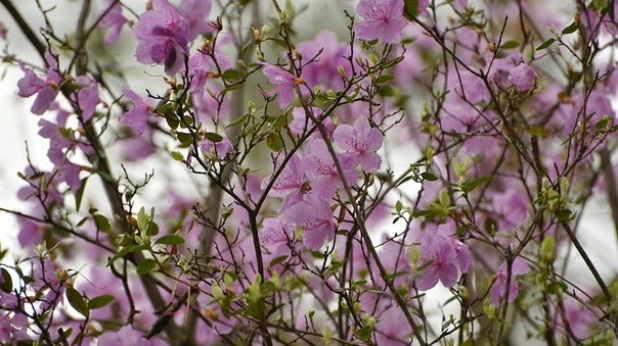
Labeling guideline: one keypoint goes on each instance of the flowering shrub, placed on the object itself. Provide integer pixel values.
(337, 183)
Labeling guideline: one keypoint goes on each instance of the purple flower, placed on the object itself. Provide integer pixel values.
(315, 217)
(275, 237)
(320, 164)
(293, 183)
(195, 13)
(162, 37)
(522, 77)
(217, 149)
(126, 336)
(442, 256)
(137, 116)
(87, 97)
(362, 142)
(46, 90)
(498, 291)
(201, 65)
(382, 19)
(302, 123)
(113, 21)
(284, 82)
(323, 70)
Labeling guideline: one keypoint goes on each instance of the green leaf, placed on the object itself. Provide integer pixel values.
(363, 333)
(385, 78)
(185, 139)
(278, 260)
(79, 194)
(7, 283)
(429, 176)
(510, 44)
(214, 137)
(142, 220)
(274, 142)
(102, 223)
(146, 266)
(170, 239)
(468, 186)
(100, 301)
(177, 156)
(126, 250)
(570, 29)
(410, 9)
(491, 226)
(546, 44)
(233, 75)
(77, 301)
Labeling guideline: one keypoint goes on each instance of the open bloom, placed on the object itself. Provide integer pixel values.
(126, 336)
(362, 142)
(522, 77)
(87, 97)
(498, 291)
(293, 183)
(315, 217)
(442, 257)
(326, 54)
(217, 149)
(46, 90)
(382, 19)
(162, 37)
(324, 174)
(284, 82)
(113, 21)
(137, 116)
(195, 13)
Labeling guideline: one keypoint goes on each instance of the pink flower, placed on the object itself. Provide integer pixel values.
(302, 123)
(580, 317)
(113, 21)
(126, 336)
(46, 90)
(195, 13)
(326, 178)
(275, 237)
(315, 217)
(217, 149)
(137, 116)
(362, 142)
(13, 329)
(293, 183)
(382, 19)
(162, 36)
(87, 97)
(201, 64)
(522, 77)
(498, 291)
(284, 82)
(327, 54)
(442, 256)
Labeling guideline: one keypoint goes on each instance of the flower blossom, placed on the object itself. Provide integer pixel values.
(137, 116)
(326, 178)
(315, 217)
(217, 149)
(442, 256)
(522, 77)
(162, 35)
(126, 336)
(284, 82)
(113, 21)
(382, 19)
(498, 291)
(46, 90)
(362, 142)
